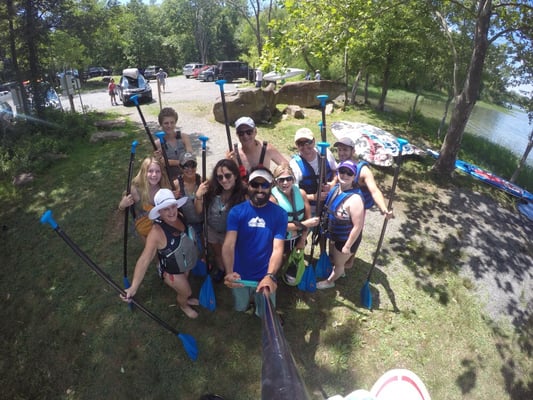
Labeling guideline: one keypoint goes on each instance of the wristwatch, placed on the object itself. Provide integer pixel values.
(272, 276)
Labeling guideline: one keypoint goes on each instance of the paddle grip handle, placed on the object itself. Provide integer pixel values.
(134, 145)
(47, 218)
(252, 284)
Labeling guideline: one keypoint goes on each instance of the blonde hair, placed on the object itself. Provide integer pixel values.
(281, 168)
(141, 182)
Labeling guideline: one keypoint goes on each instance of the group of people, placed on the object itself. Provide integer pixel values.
(250, 216)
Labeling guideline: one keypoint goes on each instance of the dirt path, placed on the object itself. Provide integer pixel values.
(450, 228)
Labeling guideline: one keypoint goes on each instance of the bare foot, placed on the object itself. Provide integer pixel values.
(189, 312)
(193, 302)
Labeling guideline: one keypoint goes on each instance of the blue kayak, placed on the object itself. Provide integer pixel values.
(489, 178)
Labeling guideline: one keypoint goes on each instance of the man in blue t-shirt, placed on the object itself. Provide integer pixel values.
(254, 242)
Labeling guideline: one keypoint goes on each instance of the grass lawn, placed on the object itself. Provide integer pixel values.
(66, 335)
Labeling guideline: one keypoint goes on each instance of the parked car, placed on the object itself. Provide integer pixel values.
(209, 74)
(189, 68)
(231, 70)
(196, 72)
(132, 82)
(93, 72)
(151, 71)
(72, 72)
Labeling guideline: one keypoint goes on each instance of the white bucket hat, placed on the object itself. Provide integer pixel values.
(165, 198)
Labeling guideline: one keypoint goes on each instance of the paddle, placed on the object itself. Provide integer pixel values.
(135, 100)
(126, 282)
(280, 378)
(207, 293)
(323, 266)
(220, 84)
(161, 136)
(323, 98)
(189, 343)
(366, 294)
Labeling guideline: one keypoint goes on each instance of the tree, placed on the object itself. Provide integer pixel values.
(500, 20)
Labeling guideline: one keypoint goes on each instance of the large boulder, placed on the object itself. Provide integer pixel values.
(303, 93)
(256, 103)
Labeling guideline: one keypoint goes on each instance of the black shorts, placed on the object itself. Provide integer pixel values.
(355, 245)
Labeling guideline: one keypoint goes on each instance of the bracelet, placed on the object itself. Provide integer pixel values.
(272, 276)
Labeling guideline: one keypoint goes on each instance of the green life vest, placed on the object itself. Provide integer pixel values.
(295, 207)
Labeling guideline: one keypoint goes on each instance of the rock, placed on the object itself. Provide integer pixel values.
(111, 123)
(256, 103)
(294, 111)
(23, 179)
(106, 135)
(303, 93)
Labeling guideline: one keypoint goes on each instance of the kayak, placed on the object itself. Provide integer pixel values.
(489, 178)
(372, 144)
(287, 73)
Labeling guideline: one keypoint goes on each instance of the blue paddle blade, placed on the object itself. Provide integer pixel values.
(200, 269)
(308, 282)
(323, 266)
(189, 344)
(366, 295)
(207, 295)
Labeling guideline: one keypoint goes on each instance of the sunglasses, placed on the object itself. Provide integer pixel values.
(257, 185)
(190, 165)
(248, 132)
(285, 179)
(226, 176)
(300, 143)
(346, 171)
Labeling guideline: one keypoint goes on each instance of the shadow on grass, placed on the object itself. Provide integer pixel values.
(453, 231)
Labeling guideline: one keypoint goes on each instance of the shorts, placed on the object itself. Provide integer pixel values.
(214, 236)
(355, 245)
(243, 295)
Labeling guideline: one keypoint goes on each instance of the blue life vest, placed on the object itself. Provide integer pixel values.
(309, 181)
(338, 230)
(295, 207)
(368, 200)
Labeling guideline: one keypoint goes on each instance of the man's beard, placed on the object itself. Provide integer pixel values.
(259, 201)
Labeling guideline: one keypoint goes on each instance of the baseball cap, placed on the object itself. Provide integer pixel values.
(261, 173)
(244, 121)
(303, 133)
(345, 141)
(187, 157)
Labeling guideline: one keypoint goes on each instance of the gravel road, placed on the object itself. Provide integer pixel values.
(490, 245)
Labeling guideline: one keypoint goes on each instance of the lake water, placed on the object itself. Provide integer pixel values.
(511, 130)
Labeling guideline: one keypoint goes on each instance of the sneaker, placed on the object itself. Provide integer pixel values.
(325, 285)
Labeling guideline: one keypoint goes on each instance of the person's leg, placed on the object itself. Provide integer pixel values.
(339, 260)
(180, 284)
(260, 303)
(241, 297)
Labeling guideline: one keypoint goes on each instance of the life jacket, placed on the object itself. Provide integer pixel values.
(338, 230)
(188, 209)
(180, 254)
(295, 207)
(309, 182)
(244, 174)
(368, 200)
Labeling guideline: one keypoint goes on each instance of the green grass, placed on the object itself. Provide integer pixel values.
(66, 335)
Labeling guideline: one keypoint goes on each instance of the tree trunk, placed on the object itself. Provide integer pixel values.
(355, 86)
(385, 82)
(413, 110)
(367, 78)
(466, 100)
(522, 162)
(30, 25)
(443, 120)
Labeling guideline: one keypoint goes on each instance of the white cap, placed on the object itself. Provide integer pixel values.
(261, 173)
(244, 121)
(303, 133)
(345, 141)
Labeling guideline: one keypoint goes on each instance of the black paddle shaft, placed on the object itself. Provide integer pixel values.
(220, 84)
(389, 207)
(127, 210)
(109, 281)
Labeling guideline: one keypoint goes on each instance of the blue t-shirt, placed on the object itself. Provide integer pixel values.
(256, 229)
